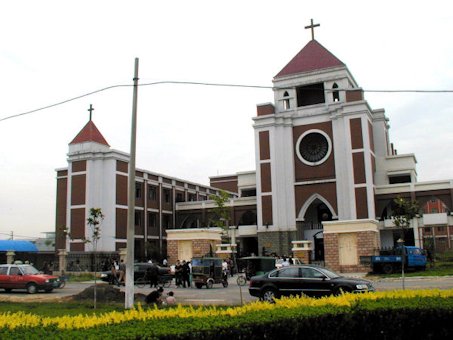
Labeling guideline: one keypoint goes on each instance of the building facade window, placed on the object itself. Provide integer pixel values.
(286, 104)
(138, 218)
(167, 196)
(152, 220)
(335, 93)
(152, 193)
(138, 190)
(166, 221)
(179, 197)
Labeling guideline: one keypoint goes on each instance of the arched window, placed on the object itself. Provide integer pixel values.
(335, 93)
(286, 105)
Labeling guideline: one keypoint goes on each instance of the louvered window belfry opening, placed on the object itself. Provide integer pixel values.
(310, 94)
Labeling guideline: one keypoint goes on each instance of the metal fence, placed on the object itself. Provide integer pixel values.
(75, 261)
(90, 261)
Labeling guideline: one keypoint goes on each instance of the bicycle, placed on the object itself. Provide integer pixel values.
(61, 283)
(241, 280)
(164, 282)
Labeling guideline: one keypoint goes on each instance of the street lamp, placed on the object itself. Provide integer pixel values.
(403, 258)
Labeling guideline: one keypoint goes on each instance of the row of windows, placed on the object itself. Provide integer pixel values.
(152, 220)
(167, 194)
(437, 229)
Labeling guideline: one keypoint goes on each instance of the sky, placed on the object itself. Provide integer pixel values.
(52, 51)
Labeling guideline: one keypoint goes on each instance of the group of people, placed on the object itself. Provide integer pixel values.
(156, 298)
(47, 268)
(182, 272)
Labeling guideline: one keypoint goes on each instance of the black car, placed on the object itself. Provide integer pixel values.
(140, 270)
(305, 279)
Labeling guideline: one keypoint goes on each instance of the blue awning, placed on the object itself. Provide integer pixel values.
(17, 245)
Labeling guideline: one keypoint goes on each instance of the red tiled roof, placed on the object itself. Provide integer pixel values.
(312, 57)
(89, 133)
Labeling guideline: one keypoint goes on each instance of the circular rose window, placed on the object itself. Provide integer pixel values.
(313, 147)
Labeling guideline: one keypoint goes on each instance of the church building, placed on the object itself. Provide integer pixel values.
(326, 176)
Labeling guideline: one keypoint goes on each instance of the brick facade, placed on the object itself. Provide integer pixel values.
(366, 243)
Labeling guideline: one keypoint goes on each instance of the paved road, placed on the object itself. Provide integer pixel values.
(233, 295)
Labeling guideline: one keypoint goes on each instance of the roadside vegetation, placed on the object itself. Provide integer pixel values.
(395, 314)
(55, 309)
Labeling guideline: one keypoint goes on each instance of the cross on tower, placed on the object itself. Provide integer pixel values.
(91, 109)
(312, 26)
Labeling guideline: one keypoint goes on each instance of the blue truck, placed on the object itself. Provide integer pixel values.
(414, 259)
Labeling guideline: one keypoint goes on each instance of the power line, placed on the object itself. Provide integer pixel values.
(211, 84)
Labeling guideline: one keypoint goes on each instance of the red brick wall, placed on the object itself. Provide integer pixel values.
(78, 223)
(122, 166)
(303, 255)
(367, 245)
(264, 145)
(266, 209)
(60, 215)
(266, 109)
(78, 189)
(359, 167)
(79, 166)
(77, 247)
(228, 183)
(266, 181)
(331, 252)
(354, 95)
(121, 223)
(172, 251)
(355, 125)
(361, 203)
(201, 247)
(121, 190)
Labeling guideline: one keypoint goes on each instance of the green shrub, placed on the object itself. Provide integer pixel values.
(408, 318)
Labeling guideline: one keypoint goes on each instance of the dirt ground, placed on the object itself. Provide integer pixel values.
(104, 294)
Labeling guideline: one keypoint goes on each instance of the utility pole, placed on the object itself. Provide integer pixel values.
(129, 296)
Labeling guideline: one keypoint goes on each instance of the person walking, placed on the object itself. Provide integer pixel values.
(185, 274)
(178, 273)
(153, 272)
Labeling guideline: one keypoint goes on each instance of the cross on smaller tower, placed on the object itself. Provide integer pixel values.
(312, 26)
(91, 109)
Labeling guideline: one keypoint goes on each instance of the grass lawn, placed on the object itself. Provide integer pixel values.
(52, 309)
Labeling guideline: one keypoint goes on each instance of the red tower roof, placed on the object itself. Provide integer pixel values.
(312, 57)
(89, 133)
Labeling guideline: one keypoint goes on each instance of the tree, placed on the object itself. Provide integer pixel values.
(94, 222)
(221, 211)
(403, 212)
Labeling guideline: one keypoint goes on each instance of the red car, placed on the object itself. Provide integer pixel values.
(25, 276)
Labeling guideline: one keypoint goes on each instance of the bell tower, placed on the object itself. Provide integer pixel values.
(315, 156)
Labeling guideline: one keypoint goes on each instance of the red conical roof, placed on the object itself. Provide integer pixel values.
(89, 133)
(312, 57)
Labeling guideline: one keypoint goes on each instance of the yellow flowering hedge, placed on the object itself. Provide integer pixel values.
(24, 320)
